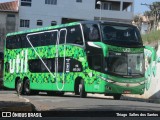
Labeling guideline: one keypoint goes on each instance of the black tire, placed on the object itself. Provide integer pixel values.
(50, 93)
(76, 88)
(117, 97)
(19, 87)
(27, 90)
(60, 93)
(82, 92)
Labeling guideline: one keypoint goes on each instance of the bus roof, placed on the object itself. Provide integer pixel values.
(64, 25)
(43, 29)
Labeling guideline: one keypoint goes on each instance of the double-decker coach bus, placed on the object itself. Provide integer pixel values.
(80, 57)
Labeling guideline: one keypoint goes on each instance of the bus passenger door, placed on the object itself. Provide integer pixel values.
(60, 59)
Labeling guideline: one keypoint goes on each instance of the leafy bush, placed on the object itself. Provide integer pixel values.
(151, 37)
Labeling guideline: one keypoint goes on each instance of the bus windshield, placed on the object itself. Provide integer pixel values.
(121, 35)
(125, 64)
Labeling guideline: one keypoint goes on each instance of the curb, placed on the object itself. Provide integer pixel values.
(15, 103)
(27, 107)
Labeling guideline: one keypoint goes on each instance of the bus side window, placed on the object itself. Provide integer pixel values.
(48, 38)
(60, 64)
(62, 37)
(9, 42)
(43, 38)
(49, 63)
(74, 35)
(91, 32)
(35, 40)
(54, 37)
(95, 62)
(25, 43)
(13, 42)
(36, 66)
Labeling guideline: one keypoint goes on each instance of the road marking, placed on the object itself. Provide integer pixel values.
(55, 100)
(26, 100)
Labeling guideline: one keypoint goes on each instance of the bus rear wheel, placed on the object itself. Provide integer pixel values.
(82, 92)
(27, 90)
(19, 87)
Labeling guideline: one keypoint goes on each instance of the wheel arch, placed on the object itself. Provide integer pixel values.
(76, 84)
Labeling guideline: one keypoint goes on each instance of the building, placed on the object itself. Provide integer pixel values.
(40, 13)
(8, 20)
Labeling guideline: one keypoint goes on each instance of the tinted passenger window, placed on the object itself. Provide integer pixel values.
(25, 43)
(35, 40)
(36, 66)
(60, 64)
(48, 38)
(74, 35)
(95, 62)
(62, 37)
(43, 39)
(13, 42)
(91, 32)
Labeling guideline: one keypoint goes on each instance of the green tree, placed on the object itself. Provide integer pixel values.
(155, 12)
(138, 21)
(153, 15)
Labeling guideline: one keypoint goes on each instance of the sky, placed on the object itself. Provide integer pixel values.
(138, 9)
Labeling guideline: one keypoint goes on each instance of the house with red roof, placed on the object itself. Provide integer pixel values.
(8, 19)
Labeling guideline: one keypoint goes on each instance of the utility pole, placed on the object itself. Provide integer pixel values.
(100, 3)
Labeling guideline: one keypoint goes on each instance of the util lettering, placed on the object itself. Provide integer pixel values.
(20, 63)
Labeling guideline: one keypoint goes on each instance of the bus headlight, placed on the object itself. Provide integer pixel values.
(109, 81)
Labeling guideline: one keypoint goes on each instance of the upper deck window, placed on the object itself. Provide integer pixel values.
(91, 32)
(121, 35)
(74, 35)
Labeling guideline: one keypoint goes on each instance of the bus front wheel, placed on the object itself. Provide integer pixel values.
(117, 97)
(82, 92)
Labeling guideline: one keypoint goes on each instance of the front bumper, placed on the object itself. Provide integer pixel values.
(113, 88)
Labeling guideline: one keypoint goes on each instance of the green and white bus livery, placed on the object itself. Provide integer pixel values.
(80, 57)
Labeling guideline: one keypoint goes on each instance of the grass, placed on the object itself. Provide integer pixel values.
(151, 37)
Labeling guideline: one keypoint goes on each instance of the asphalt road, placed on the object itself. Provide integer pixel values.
(93, 102)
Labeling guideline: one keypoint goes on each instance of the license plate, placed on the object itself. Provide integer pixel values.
(127, 92)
